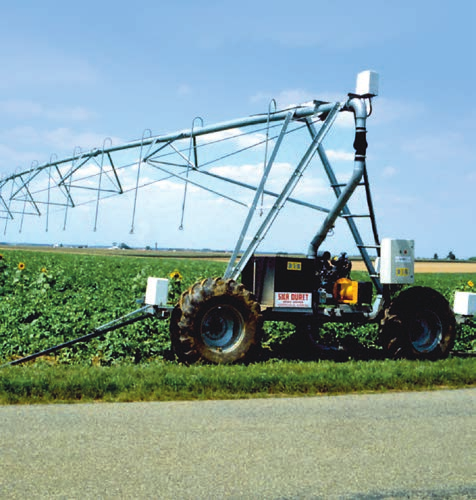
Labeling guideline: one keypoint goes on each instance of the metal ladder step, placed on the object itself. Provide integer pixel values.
(347, 216)
(369, 246)
(344, 184)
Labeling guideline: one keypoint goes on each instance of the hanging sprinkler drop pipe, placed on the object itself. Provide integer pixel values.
(137, 179)
(189, 164)
(70, 180)
(49, 193)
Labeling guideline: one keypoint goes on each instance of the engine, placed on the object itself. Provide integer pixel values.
(335, 285)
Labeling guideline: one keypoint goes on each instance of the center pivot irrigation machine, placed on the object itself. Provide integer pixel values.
(219, 320)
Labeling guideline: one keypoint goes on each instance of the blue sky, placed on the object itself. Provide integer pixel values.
(75, 73)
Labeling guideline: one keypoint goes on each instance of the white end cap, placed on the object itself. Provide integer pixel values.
(465, 303)
(367, 83)
(157, 291)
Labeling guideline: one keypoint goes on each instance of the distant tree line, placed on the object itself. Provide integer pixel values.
(450, 256)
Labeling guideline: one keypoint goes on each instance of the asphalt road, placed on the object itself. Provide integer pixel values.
(402, 445)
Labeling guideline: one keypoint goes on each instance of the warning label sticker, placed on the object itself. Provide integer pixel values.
(403, 259)
(292, 299)
(294, 266)
(402, 271)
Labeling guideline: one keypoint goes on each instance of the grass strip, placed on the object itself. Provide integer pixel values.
(163, 381)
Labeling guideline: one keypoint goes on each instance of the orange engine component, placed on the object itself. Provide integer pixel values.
(346, 291)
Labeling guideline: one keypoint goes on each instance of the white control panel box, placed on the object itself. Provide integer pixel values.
(397, 262)
(367, 83)
(465, 303)
(157, 291)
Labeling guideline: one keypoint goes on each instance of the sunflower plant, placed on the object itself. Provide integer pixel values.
(468, 286)
(175, 285)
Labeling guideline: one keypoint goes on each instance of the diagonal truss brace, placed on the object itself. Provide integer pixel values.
(258, 194)
(233, 272)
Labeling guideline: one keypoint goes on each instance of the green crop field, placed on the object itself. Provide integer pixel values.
(50, 297)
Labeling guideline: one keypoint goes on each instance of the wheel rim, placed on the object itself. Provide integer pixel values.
(222, 327)
(426, 331)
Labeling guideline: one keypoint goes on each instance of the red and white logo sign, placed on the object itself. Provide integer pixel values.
(292, 299)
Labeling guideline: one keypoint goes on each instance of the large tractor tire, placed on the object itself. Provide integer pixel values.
(419, 324)
(215, 321)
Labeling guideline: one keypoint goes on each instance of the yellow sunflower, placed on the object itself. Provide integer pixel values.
(470, 284)
(44, 270)
(175, 275)
(21, 266)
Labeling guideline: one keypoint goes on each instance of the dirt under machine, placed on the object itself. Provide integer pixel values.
(219, 320)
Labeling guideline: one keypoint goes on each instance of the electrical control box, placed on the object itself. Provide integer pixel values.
(397, 262)
(367, 84)
(465, 303)
(157, 291)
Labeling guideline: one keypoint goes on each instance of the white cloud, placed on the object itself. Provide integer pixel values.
(279, 175)
(10, 158)
(385, 110)
(252, 172)
(250, 140)
(43, 65)
(344, 177)
(311, 186)
(20, 108)
(236, 136)
(23, 109)
(244, 173)
(21, 135)
(21, 141)
(345, 120)
(76, 113)
(285, 98)
(166, 186)
(334, 155)
(296, 97)
(66, 139)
